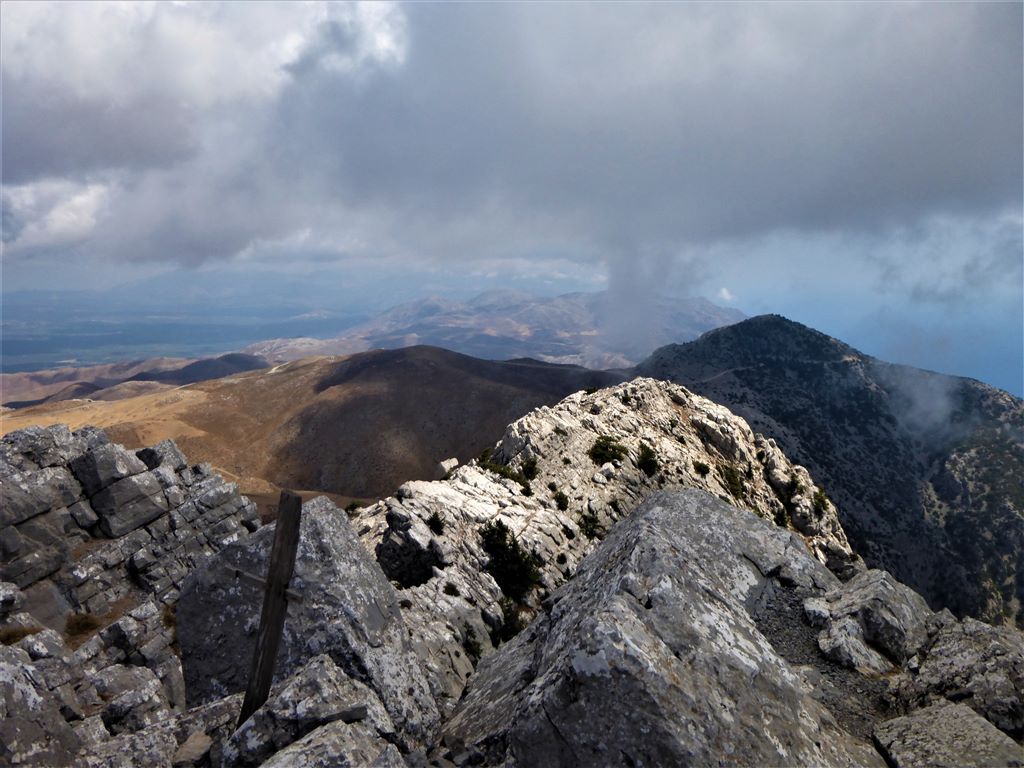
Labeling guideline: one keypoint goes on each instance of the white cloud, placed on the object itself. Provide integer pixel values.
(54, 213)
(724, 294)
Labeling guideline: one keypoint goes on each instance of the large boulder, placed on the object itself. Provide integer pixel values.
(870, 623)
(318, 694)
(104, 465)
(651, 655)
(349, 611)
(946, 736)
(339, 745)
(971, 662)
(32, 730)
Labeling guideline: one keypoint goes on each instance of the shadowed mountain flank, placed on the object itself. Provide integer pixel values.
(204, 370)
(924, 467)
(383, 417)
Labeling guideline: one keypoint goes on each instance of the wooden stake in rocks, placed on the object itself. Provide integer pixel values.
(275, 602)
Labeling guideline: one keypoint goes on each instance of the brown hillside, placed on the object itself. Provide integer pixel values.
(357, 426)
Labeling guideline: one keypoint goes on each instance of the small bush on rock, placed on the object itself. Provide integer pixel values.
(529, 469)
(732, 479)
(435, 523)
(562, 501)
(512, 567)
(511, 622)
(590, 526)
(701, 468)
(605, 449)
(820, 503)
(647, 460)
(507, 472)
(470, 644)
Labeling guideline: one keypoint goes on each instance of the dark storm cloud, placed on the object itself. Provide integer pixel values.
(674, 123)
(525, 130)
(50, 131)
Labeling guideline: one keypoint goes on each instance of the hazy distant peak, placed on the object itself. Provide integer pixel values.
(500, 298)
(591, 329)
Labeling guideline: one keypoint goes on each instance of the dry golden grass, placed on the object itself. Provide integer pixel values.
(355, 427)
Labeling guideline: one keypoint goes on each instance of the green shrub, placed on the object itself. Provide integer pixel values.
(605, 449)
(451, 589)
(793, 488)
(351, 507)
(648, 460)
(590, 526)
(561, 559)
(505, 471)
(512, 567)
(435, 523)
(511, 622)
(590, 390)
(470, 644)
(732, 479)
(529, 470)
(701, 468)
(820, 502)
(552, 486)
(566, 460)
(562, 501)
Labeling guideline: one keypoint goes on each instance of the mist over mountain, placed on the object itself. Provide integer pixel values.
(925, 469)
(586, 329)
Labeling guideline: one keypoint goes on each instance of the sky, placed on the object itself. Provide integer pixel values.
(855, 166)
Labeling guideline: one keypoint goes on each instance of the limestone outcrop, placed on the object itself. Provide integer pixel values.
(651, 655)
(349, 612)
(686, 638)
(559, 478)
(95, 541)
(631, 577)
(86, 525)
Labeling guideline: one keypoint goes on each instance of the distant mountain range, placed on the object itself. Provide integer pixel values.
(927, 470)
(591, 329)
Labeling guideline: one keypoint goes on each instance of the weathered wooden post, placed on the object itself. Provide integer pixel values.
(275, 603)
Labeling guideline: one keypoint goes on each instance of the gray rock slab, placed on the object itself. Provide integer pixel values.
(871, 622)
(32, 730)
(164, 454)
(339, 745)
(976, 664)
(649, 656)
(103, 465)
(23, 495)
(349, 611)
(946, 735)
(318, 694)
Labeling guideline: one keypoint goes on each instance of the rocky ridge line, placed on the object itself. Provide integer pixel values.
(556, 501)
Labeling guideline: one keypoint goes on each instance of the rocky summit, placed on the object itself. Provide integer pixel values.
(630, 577)
(925, 468)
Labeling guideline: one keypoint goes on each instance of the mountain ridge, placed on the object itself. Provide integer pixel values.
(921, 463)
